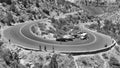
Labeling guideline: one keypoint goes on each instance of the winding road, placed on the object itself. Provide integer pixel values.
(21, 34)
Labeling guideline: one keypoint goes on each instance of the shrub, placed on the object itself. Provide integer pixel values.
(113, 63)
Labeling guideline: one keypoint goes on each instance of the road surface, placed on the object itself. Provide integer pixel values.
(21, 34)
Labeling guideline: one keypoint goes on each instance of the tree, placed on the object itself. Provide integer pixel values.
(93, 26)
(38, 65)
(114, 63)
(86, 2)
(53, 62)
(65, 28)
(1, 43)
(99, 24)
(28, 65)
(7, 56)
(6, 1)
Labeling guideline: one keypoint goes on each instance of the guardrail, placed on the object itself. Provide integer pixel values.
(93, 51)
(81, 52)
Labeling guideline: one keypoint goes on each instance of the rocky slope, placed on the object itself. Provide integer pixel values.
(19, 11)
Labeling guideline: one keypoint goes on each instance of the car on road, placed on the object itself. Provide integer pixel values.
(84, 36)
(81, 35)
(64, 39)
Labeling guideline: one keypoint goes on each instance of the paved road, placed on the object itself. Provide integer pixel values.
(21, 34)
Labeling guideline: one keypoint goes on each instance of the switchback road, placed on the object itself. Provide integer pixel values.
(21, 34)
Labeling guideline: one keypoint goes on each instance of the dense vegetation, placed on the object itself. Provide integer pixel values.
(108, 28)
(20, 58)
(63, 26)
(14, 11)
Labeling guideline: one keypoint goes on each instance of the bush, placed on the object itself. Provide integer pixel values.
(113, 63)
(105, 56)
(6, 1)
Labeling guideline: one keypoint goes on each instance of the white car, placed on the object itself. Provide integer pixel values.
(83, 35)
(67, 36)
